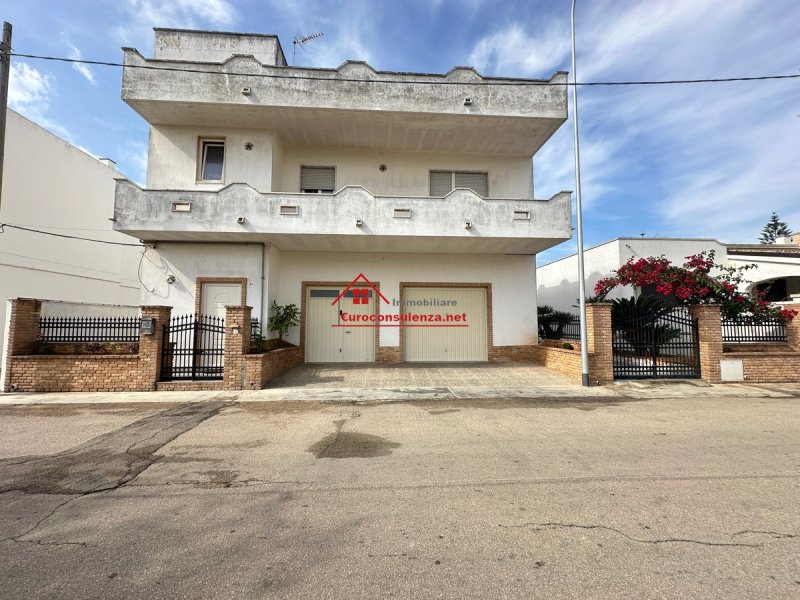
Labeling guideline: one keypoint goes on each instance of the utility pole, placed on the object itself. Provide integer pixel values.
(5, 71)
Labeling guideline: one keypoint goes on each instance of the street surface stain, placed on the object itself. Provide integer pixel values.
(351, 444)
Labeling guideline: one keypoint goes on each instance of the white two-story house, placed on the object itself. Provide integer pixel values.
(275, 184)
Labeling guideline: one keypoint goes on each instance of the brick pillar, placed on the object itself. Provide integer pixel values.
(710, 333)
(793, 328)
(599, 337)
(237, 318)
(22, 331)
(151, 347)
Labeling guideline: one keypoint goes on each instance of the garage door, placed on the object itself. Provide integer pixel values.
(329, 339)
(440, 338)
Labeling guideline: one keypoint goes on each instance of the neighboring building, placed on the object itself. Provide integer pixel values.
(283, 184)
(777, 265)
(50, 185)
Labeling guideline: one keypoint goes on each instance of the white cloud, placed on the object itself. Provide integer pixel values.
(75, 54)
(704, 159)
(29, 93)
(513, 51)
(28, 88)
(143, 15)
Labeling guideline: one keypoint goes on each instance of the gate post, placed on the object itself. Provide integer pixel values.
(709, 331)
(22, 330)
(793, 328)
(599, 338)
(151, 347)
(237, 344)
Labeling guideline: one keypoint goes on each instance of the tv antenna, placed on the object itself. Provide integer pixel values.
(303, 40)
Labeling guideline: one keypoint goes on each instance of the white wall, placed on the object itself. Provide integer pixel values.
(513, 280)
(187, 262)
(173, 155)
(215, 46)
(51, 185)
(406, 174)
(558, 281)
(274, 166)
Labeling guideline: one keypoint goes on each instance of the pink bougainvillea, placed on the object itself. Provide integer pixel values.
(694, 284)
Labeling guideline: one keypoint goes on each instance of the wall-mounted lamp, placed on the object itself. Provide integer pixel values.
(248, 145)
(359, 223)
(170, 279)
(468, 225)
(467, 101)
(235, 330)
(240, 220)
(246, 91)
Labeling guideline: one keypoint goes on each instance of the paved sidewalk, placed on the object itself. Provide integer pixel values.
(622, 390)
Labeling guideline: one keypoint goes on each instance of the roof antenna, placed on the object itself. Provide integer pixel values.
(303, 40)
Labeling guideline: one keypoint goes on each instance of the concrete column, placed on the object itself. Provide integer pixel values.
(599, 338)
(151, 347)
(793, 328)
(237, 344)
(710, 333)
(22, 331)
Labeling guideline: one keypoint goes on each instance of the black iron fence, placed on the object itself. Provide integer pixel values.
(746, 330)
(560, 330)
(89, 329)
(255, 329)
(193, 348)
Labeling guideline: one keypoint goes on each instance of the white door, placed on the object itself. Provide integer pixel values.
(214, 297)
(440, 337)
(330, 337)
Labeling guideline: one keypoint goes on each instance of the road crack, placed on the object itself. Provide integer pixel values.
(543, 526)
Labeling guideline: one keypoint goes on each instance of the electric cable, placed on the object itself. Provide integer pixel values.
(505, 81)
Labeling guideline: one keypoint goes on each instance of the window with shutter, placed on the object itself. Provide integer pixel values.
(441, 183)
(477, 182)
(211, 161)
(317, 180)
(444, 182)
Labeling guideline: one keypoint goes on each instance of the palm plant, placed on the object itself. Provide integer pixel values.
(636, 320)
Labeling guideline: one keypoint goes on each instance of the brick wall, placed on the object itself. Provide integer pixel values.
(237, 346)
(76, 373)
(263, 368)
(388, 354)
(710, 332)
(769, 367)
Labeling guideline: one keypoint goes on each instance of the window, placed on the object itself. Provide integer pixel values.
(212, 160)
(317, 180)
(444, 182)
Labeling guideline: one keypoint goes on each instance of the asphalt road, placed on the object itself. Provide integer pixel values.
(677, 498)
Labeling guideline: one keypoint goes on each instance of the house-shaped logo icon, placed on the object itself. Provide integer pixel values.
(360, 294)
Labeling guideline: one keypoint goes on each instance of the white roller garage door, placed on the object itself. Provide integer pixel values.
(329, 338)
(441, 339)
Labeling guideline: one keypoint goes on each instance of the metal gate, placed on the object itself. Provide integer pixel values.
(660, 344)
(193, 348)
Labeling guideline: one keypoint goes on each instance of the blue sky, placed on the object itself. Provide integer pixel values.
(706, 160)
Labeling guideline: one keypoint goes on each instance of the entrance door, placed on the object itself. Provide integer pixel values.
(214, 297)
(332, 339)
(444, 340)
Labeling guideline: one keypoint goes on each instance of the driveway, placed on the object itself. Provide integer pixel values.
(375, 375)
(692, 497)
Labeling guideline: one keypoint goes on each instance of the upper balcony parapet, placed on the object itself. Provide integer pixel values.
(354, 85)
(350, 218)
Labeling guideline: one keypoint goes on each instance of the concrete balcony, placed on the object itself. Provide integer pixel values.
(351, 220)
(352, 106)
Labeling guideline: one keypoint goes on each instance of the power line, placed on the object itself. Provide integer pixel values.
(518, 82)
(71, 237)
